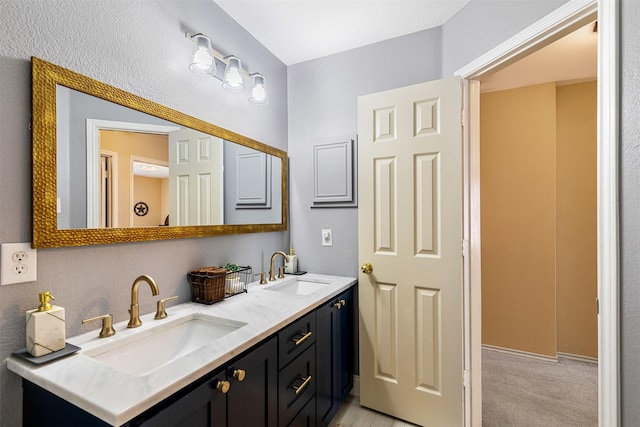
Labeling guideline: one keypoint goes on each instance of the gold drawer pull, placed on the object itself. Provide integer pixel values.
(302, 339)
(343, 303)
(337, 305)
(223, 386)
(239, 374)
(305, 382)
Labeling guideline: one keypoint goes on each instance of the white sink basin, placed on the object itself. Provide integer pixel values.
(143, 353)
(297, 287)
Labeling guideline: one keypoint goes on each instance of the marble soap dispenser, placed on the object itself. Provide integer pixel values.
(292, 265)
(45, 327)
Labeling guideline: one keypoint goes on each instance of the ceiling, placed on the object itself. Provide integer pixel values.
(300, 30)
(571, 59)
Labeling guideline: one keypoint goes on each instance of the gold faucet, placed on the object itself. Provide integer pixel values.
(134, 311)
(272, 276)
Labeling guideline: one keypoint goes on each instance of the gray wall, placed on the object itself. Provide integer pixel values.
(323, 104)
(630, 210)
(138, 46)
(483, 24)
(253, 214)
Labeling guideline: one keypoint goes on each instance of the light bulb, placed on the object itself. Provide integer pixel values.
(203, 61)
(259, 94)
(233, 78)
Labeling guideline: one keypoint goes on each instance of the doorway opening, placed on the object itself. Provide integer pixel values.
(564, 20)
(539, 235)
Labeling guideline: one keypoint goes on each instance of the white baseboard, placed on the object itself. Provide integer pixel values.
(520, 353)
(578, 357)
(355, 391)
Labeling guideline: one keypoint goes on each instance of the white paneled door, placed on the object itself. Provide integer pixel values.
(195, 178)
(410, 232)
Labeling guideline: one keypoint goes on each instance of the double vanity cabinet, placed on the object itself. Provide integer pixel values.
(297, 374)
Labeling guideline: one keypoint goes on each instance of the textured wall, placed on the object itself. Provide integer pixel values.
(518, 197)
(138, 46)
(323, 104)
(630, 210)
(576, 220)
(483, 24)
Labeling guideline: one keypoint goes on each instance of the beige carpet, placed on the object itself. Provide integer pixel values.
(521, 391)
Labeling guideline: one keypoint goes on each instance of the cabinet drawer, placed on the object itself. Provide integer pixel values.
(296, 385)
(306, 417)
(296, 338)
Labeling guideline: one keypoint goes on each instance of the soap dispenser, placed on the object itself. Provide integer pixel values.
(292, 265)
(45, 327)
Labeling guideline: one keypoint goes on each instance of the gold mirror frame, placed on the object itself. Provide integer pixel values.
(46, 77)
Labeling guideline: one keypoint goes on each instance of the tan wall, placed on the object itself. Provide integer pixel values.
(538, 178)
(576, 157)
(518, 179)
(127, 144)
(148, 190)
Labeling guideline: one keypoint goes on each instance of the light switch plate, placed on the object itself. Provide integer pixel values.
(17, 263)
(327, 237)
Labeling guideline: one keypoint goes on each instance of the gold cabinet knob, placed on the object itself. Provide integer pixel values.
(223, 386)
(337, 305)
(239, 374)
(342, 303)
(366, 268)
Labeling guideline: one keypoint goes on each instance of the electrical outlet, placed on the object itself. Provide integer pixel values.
(17, 263)
(327, 237)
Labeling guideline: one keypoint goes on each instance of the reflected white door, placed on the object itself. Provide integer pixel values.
(195, 178)
(410, 231)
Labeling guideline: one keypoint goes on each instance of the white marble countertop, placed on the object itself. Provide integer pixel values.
(116, 397)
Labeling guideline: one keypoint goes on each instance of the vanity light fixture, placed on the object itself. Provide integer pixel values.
(233, 79)
(207, 61)
(202, 61)
(259, 94)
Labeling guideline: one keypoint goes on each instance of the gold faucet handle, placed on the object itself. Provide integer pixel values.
(281, 272)
(263, 277)
(161, 312)
(107, 325)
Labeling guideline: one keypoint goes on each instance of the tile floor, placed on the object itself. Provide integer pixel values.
(351, 414)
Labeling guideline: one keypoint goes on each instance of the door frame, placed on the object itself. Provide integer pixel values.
(562, 21)
(93, 128)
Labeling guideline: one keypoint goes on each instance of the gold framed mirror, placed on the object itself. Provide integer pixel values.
(69, 202)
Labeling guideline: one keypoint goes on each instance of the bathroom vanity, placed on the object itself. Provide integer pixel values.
(279, 355)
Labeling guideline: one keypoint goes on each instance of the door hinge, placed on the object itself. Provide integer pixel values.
(465, 247)
(597, 305)
(462, 118)
(465, 378)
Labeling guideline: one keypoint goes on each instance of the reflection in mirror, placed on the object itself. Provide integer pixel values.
(97, 186)
(112, 167)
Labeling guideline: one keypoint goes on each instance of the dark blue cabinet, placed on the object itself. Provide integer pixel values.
(334, 355)
(298, 377)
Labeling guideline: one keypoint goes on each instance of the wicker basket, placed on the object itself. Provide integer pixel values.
(207, 284)
(213, 284)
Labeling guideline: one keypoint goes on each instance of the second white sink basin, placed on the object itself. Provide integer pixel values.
(297, 287)
(143, 353)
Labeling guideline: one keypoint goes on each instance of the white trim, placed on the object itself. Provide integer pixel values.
(563, 20)
(515, 352)
(555, 25)
(473, 294)
(114, 187)
(93, 128)
(577, 357)
(608, 268)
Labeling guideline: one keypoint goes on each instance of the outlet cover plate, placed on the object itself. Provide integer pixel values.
(18, 263)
